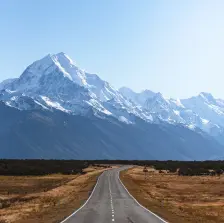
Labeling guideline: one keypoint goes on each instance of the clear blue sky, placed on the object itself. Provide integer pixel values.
(175, 47)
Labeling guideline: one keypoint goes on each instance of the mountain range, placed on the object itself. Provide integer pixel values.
(57, 110)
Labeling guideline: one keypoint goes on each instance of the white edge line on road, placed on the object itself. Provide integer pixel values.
(138, 202)
(85, 202)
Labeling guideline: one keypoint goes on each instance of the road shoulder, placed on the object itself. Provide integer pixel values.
(159, 208)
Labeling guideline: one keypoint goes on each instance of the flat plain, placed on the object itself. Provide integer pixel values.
(184, 199)
(48, 198)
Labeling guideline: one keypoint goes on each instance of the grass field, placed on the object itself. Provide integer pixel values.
(193, 199)
(47, 199)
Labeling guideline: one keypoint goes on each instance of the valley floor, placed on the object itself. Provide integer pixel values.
(47, 199)
(185, 199)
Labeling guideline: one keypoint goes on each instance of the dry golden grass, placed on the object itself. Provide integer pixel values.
(44, 199)
(178, 198)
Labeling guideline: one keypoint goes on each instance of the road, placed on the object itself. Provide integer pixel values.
(111, 202)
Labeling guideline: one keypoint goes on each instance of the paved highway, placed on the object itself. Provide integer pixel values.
(111, 202)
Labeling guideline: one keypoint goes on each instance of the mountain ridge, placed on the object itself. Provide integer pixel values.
(55, 83)
(52, 79)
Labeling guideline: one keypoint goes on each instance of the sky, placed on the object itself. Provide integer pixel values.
(168, 46)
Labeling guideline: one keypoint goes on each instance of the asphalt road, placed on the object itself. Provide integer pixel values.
(111, 202)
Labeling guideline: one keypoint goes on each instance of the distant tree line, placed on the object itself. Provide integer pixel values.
(186, 171)
(184, 168)
(43, 167)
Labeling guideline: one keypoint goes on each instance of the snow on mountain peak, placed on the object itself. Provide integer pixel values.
(159, 97)
(126, 90)
(50, 68)
(77, 75)
(177, 102)
(64, 57)
(157, 102)
(147, 93)
(137, 98)
(207, 96)
(55, 81)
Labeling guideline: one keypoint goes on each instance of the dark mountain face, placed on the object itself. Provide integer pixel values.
(58, 135)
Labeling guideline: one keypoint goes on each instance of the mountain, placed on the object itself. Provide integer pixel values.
(207, 107)
(115, 123)
(60, 135)
(202, 111)
(4, 83)
(55, 81)
(138, 98)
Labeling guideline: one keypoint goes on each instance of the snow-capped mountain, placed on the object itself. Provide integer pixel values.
(55, 87)
(202, 111)
(55, 81)
(207, 107)
(138, 98)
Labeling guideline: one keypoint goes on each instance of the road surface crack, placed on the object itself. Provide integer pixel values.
(129, 220)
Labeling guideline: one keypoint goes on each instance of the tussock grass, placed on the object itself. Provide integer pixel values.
(192, 199)
(48, 199)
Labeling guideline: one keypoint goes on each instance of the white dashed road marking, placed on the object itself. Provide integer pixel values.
(111, 199)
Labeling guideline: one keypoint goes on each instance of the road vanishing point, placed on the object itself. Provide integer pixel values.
(110, 201)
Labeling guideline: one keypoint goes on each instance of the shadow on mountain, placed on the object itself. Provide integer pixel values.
(43, 134)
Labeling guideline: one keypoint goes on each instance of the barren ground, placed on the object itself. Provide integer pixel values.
(178, 199)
